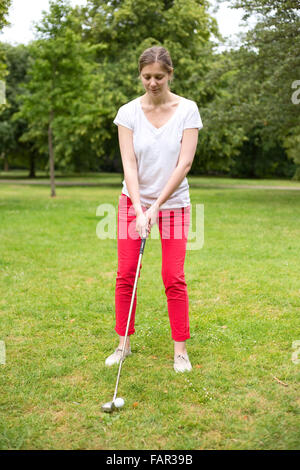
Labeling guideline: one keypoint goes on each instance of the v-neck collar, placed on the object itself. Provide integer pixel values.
(158, 129)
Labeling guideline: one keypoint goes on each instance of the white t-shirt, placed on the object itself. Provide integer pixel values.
(157, 150)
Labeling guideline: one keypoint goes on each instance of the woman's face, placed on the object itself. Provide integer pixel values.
(154, 79)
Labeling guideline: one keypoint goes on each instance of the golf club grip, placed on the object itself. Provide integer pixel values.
(143, 242)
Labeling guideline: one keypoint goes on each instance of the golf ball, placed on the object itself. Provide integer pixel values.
(119, 402)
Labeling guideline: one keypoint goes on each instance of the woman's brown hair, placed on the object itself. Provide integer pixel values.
(156, 54)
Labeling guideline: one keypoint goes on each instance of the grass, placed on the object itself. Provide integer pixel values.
(102, 178)
(57, 318)
(114, 179)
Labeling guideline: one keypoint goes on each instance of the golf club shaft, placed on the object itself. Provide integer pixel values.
(129, 315)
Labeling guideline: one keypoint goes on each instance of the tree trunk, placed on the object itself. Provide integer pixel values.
(5, 163)
(32, 166)
(51, 155)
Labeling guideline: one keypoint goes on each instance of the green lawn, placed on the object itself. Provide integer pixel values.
(115, 179)
(57, 282)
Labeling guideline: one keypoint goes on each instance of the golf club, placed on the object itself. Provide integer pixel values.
(110, 406)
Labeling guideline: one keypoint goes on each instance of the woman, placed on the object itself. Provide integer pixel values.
(158, 135)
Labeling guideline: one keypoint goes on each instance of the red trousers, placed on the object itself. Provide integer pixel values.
(173, 228)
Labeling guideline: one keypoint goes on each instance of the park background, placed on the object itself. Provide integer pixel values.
(59, 160)
(63, 88)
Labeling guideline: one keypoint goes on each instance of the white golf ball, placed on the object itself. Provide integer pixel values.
(119, 402)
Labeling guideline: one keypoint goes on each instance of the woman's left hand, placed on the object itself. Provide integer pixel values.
(152, 215)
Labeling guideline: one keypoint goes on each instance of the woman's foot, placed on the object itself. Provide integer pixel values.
(181, 358)
(115, 357)
(182, 362)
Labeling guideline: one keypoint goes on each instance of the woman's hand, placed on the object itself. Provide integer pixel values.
(142, 225)
(152, 215)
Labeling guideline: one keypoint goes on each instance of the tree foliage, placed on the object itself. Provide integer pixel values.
(85, 91)
(4, 7)
(83, 65)
(11, 130)
(58, 91)
(268, 63)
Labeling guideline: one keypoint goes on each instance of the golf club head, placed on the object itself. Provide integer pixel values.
(108, 407)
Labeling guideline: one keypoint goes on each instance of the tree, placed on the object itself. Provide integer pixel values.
(269, 64)
(10, 131)
(59, 74)
(4, 7)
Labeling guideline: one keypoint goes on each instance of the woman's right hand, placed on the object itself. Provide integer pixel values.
(142, 225)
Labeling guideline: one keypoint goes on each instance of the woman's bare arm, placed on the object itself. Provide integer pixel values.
(131, 176)
(185, 161)
(129, 166)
